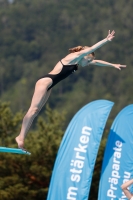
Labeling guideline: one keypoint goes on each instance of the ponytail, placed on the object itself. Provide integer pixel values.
(76, 49)
(79, 48)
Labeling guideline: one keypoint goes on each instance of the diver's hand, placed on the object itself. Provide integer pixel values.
(119, 66)
(110, 36)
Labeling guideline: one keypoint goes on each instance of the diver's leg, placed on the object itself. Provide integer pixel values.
(40, 97)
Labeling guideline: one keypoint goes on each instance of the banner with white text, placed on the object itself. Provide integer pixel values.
(117, 164)
(72, 174)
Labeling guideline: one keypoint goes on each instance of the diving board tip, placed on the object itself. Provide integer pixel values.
(13, 150)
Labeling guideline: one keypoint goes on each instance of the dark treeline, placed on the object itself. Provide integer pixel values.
(27, 177)
(35, 35)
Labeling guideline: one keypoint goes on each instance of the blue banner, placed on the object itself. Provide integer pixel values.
(76, 157)
(117, 164)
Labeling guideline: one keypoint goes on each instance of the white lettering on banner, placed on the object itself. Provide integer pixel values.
(71, 193)
(78, 162)
(113, 180)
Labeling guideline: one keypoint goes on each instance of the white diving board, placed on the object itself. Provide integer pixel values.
(13, 150)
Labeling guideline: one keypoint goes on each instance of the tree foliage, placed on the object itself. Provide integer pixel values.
(22, 176)
(35, 35)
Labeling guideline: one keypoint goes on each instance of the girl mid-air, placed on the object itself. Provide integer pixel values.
(80, 56)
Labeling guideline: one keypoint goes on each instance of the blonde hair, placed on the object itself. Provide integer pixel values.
(79, 48)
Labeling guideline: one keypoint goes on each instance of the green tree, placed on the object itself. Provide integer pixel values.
(9, 124)
(28, 177)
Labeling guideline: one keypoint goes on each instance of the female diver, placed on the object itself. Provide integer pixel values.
(78, 57)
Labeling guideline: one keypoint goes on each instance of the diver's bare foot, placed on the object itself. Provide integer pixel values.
(20, 143)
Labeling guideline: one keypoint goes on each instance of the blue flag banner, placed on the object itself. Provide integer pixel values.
(72, 173)
(117, 165)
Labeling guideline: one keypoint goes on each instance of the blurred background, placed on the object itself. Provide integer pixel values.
(34, 36)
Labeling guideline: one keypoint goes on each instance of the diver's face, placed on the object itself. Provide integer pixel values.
(86, 60)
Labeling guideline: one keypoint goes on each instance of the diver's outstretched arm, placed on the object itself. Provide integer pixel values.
(109, 38)
(77, 56)
(104, 63)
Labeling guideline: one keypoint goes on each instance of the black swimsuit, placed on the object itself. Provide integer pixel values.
(65, 72)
